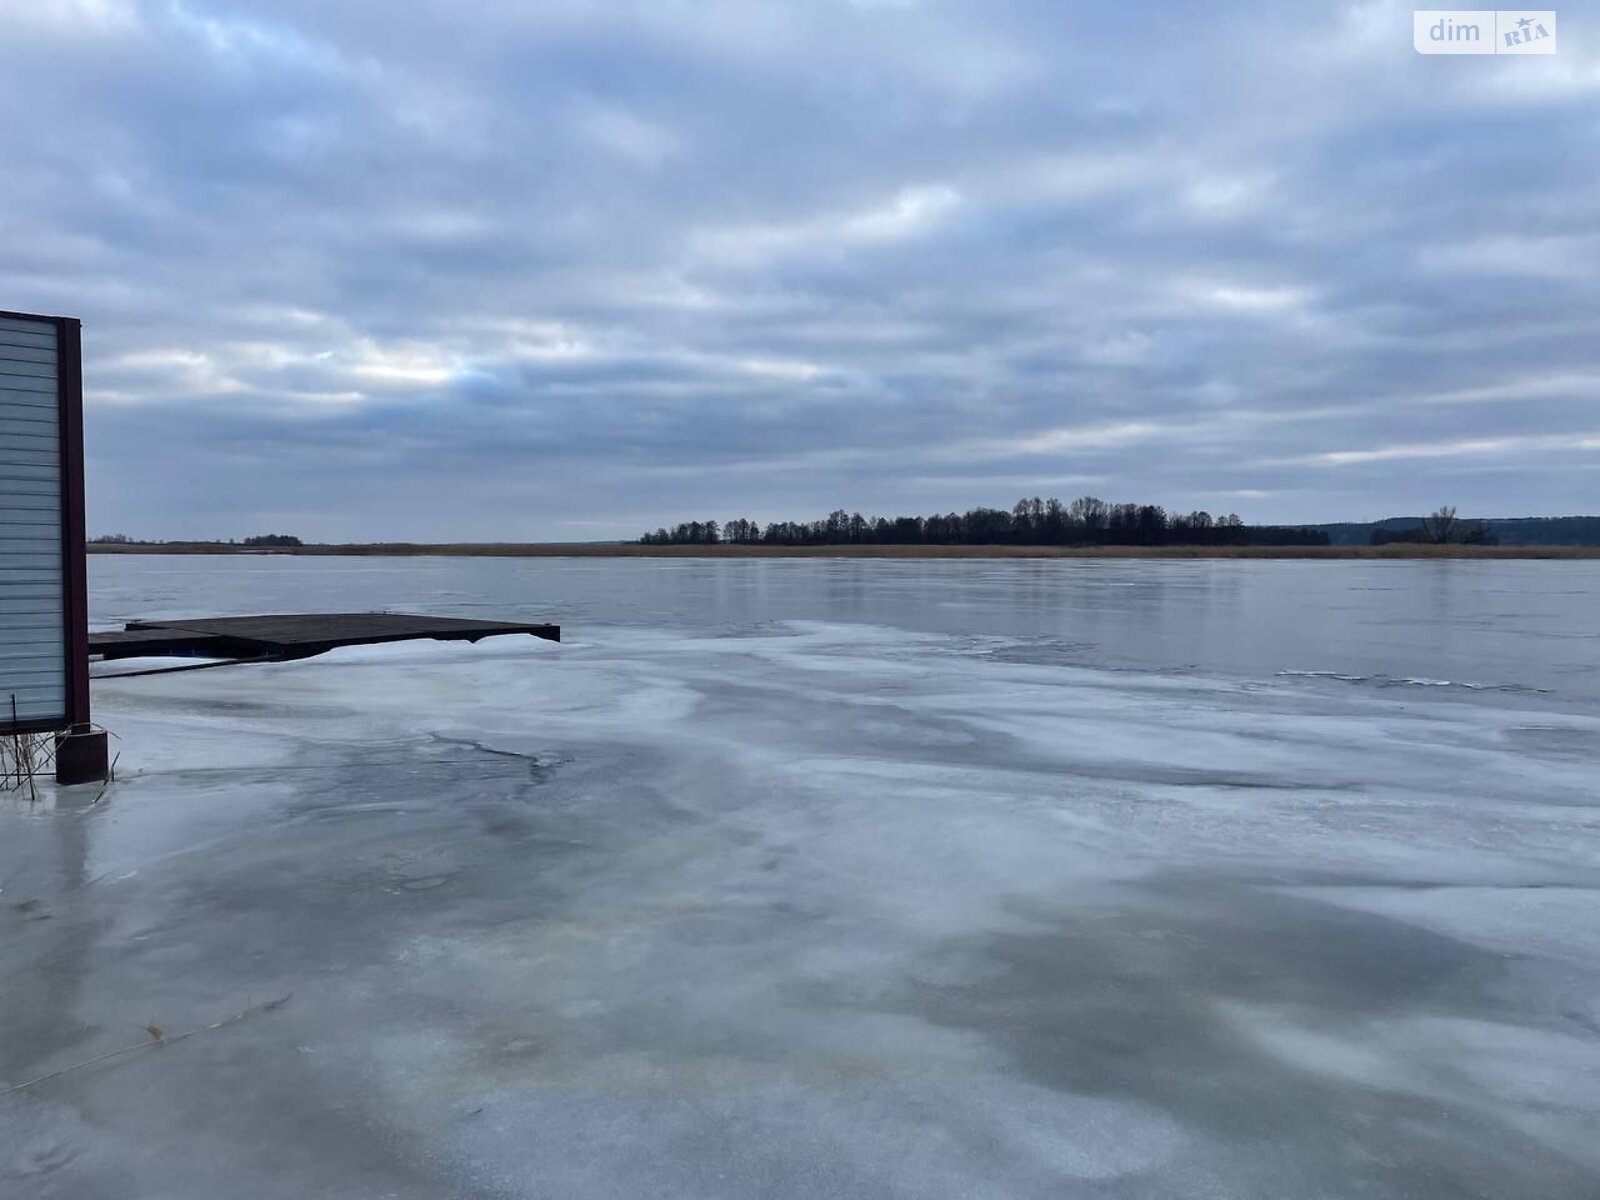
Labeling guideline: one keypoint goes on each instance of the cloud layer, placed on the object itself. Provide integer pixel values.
(575, 269)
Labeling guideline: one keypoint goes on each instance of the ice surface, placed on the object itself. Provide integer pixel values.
(807, 908)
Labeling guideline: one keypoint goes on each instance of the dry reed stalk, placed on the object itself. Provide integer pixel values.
(158, 1037)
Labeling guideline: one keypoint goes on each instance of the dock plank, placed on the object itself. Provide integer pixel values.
(296, 635)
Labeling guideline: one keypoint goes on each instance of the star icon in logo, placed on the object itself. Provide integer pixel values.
(1524, 23)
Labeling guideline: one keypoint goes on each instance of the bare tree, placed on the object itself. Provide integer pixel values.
(1090, 514)
(1440, 528)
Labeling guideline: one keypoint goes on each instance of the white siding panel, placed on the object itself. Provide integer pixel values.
(16, 667)
(24, 435)
(19, 423)
(33, 619)
(28, 539)
(45, 355)
(19, 563)
(38, 597)
(28, 325)
(49, 488)
(23, 383)
(14, 498)
(30, 454)
(36, 703)
(32, 591)
(35, 678)
(21, 394)
(33, 644)
(32, 420)
(42, 587)
(26, 370)
(28, 467)
(31, 341)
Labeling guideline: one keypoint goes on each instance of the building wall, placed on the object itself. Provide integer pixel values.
(32, 587)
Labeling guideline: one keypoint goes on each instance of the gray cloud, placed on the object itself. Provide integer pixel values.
(571, 269)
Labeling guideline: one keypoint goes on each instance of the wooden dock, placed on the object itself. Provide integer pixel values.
(279, 638)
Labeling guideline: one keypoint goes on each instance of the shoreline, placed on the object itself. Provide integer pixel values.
(738, 550)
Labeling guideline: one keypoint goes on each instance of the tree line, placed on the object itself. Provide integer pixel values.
(1088, 521)
(263, 540)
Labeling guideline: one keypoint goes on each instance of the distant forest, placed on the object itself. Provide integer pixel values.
(262, 541)
(1504, 531)
(1085, 522)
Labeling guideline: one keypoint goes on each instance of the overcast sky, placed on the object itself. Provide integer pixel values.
(500, 269)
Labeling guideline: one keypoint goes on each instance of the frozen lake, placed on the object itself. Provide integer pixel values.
(804, 878)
